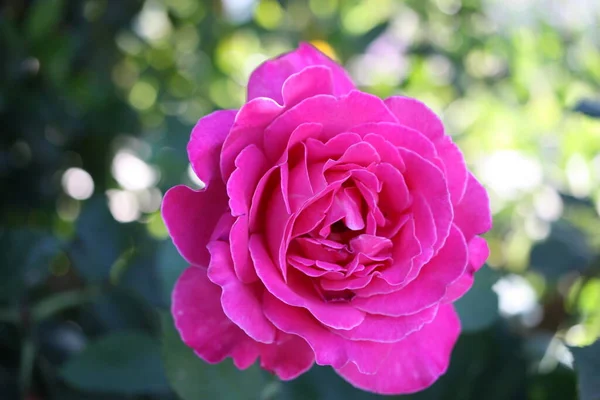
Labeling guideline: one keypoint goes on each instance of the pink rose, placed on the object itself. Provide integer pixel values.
(334, 228)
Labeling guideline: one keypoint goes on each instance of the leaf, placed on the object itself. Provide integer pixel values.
(100, 240)
(170, 266)
(478, 308)
(25, 257)
(566, 249)
(123, 362)
(193, 379)
(591, 108)
(587, 365)
(43, 17)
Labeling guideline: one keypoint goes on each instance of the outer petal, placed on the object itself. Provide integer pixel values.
(413, 363)
(473, 215)
(203, 325)
(206, 141)
(191, 217)
(289, 357)
(329, 348)
(309, 82)
(416, 115)
(268, 79)
(478, 254)
(241, 303)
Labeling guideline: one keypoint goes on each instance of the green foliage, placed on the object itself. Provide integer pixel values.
(121, 362)
(587, 363)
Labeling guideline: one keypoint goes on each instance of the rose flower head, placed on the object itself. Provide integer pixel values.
(334, 228)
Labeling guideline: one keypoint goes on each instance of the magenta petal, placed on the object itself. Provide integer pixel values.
(206, 141)
(250, 164)
(416, 115)
(202, 324)
(455, 168)
(238, 241)
(414, 363)
(337, 115)
(288, 358)
(241, 303)
(191, 217)
(380, 328)
(428, 288)
(329, 348)
(478, 254)
(268, 79)
(473, 215)
(247, 129)
(335, 315)
(309, 82)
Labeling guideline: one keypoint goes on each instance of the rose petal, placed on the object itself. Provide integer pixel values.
(455, 168)
(241, 303)
(413, 363)
(238, 241)
(478, 254)
(268, 79)
(383, 329)
(416, 115)
(337, 115)
(473, 215)
(250, 164)
(329, 348)
(247, 129)
(203, 326)
(288, 358)
(335, 315)
(430, 285)
(206, 141)
(309, 82)
(191, 217)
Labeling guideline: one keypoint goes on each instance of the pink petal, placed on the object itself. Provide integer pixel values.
(247, 129)
(329, 348)
(335, 315)
(241, 303)
(454, 167)
(430, 285)
(191, 217)
(473, 215)
(203, 326)
(416, 115)
(414, 363)
(309, 82)
(337, 115)
(238, 241)
(269, 78)
(250, 164)
(288, 358)
(383, 329)
(478, 254)
(206, 141)
(425, 178)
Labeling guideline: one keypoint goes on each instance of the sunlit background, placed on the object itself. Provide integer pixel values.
(97, 101)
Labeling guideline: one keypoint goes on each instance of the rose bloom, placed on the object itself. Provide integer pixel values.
(335, 227)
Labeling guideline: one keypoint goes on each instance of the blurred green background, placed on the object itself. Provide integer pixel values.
(97, 100)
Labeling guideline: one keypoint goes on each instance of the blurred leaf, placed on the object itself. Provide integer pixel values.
(25, 257)
(587, 365)
(566, 249)
(194, 379)
(100, 240)
(590, 108)
(124, 362)
(478, 308)
(556, 385)
(120, 309)
(43, 17)
(170, 266)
